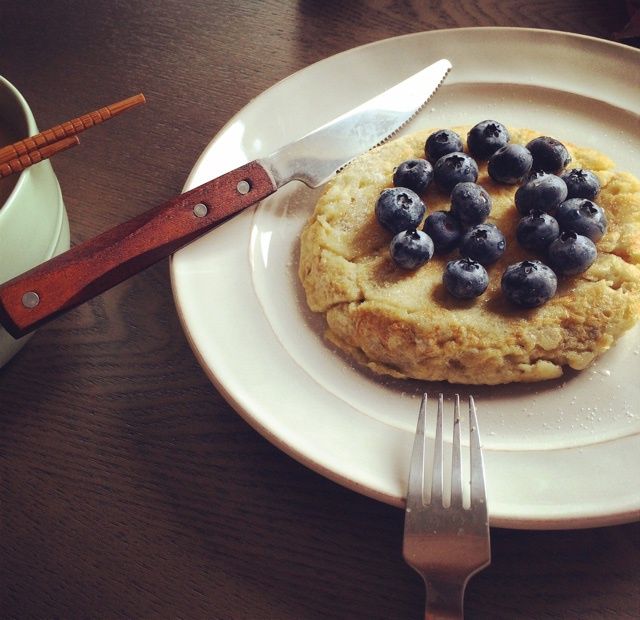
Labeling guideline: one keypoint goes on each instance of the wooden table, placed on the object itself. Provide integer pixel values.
(129, 488)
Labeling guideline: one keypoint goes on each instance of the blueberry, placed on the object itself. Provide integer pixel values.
(548, 154)
(509, 164)
(571, 253)
(454, 168)
(484, 243)
(465, 278)
(583, 217)
(416, 174)
(541, 191)
(486, 138)
(529, 283)
(444, 230)
(399, 208)
(581, 184)
(536, 230)
(442, 142)
(470, 203)
(411, 248)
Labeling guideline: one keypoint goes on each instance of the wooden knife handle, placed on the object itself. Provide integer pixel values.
(91, 268)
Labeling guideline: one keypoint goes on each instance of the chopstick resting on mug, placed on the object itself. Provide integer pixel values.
(24, 153)
(18, 164)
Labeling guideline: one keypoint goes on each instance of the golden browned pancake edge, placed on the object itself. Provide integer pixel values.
(404, 324)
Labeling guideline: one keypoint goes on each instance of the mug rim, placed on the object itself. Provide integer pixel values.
(32, 129)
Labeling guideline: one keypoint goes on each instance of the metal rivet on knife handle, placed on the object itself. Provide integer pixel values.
(30, 299)
(243, 187)
(200, 210)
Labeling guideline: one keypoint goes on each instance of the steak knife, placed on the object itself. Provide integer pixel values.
(88, 269)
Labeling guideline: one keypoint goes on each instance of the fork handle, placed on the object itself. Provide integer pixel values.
(91, 268)
(445, 600)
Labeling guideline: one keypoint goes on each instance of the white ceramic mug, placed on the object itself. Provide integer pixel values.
(33, 221)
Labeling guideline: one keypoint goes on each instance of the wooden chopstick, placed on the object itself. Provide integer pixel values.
(18, 164)
(66, 129)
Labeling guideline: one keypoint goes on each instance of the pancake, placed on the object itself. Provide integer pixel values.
(405, 324)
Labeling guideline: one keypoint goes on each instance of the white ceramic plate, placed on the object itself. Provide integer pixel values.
(562, 454)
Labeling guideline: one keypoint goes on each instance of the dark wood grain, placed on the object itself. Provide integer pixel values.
(128, 487)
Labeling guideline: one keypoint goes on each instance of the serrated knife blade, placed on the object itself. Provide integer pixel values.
(314, 158)
(68, 280)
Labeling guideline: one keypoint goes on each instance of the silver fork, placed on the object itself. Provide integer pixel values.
(446, 542)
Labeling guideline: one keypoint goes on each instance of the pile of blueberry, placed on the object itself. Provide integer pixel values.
(560, 221)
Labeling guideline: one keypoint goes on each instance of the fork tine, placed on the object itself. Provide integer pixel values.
(436, 482)
(478, 492)
(456, 465)
(446, 545)
(415, 490)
